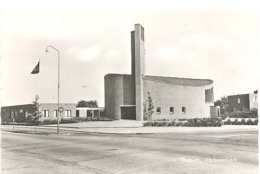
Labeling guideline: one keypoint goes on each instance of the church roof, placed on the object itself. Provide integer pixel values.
(179, 81)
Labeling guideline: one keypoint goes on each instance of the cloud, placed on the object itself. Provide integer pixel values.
(168, 53)
(88, 54)
(207, 41)
(112, 55)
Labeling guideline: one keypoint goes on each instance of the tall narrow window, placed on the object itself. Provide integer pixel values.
(238, 100)
(68, 113)
(142, 33)
(209, 95)
(183, 110)
(45, 113)
(55, 113)
(158, 110)
(171, 110)
(26, 114)
(12, 114)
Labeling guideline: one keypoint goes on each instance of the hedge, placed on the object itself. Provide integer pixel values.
(195, 122)
(62, 121)
(76, 120)
(244, 114)
(241, 122)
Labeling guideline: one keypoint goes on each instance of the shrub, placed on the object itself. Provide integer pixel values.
(254, 113)
(172, 123)
(49, 122)
(228, 122)
(256, 121)
(250, 122)
(168, 123)
(244, 114)
(195, 122)
(161, 123)
(105, 119)
(243, 122)
(98, 119)
(156, 123)
(206, 122)
(234, 122)
(69, 121)
(148, 123)
(224, 116)
(186, 124)
(178, 123)
(239, 123)
(79, 119)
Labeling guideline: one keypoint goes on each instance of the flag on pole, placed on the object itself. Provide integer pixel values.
(36, 70)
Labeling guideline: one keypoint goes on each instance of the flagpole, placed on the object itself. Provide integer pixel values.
(39, 87)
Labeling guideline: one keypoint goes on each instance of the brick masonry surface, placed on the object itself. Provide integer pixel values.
(167, 95)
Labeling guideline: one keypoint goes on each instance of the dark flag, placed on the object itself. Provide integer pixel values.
(36, 70)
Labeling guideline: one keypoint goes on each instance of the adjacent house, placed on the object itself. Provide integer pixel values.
(243, 102)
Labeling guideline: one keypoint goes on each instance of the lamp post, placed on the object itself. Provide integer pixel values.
(58, 113)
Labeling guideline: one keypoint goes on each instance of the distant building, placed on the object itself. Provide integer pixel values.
(242, 102)
(89, 112)
(49, 111)
(173, 98)
(17, 112)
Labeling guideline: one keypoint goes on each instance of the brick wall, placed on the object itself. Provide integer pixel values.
(233, 102)
(253, 101)
(119, 90)
(19, 112)
(167, 95)
(53, 106)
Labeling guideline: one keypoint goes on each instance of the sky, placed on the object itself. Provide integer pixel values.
(210, 39)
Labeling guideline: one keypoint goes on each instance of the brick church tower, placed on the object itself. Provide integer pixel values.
(138, 67)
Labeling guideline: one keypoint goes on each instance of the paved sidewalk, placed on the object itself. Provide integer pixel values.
(102, 124)
(115, 127)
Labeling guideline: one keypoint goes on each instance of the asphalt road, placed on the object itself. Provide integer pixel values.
(210, 152)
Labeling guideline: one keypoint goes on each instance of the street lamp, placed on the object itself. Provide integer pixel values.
(58, 113)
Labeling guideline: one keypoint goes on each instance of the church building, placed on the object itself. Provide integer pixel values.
(172, 97)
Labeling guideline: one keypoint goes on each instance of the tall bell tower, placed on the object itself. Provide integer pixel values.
(138, 67)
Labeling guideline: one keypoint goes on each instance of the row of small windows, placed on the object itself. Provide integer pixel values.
(45, 113)
(183, 110)
(14, 114)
